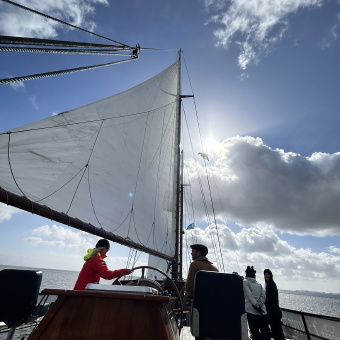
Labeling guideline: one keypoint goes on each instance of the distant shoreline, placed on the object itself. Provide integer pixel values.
(309, 293)
(293, 292)
(63, 270)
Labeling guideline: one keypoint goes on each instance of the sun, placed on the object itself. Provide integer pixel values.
(211, 146)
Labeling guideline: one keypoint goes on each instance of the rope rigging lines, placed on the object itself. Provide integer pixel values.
(216, 243)
(55, 73)
(214, 230)
(119, 49)
(10, 40)
(61, 21)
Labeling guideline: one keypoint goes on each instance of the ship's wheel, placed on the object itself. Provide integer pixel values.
(154, 284)
(143, 281)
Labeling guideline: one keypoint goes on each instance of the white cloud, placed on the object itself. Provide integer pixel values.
(17, 85)
(61, 237)
(255, 25)
(292, 267)
(6, 212)
(334, 250)
(33, 100)
(330, 37)
(333, 32)
(18, 22)
(256, 185)
(65, 248)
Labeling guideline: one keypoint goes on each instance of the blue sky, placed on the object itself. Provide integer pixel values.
(265, 75)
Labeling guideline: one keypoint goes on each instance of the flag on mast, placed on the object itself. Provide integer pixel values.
(191, 226)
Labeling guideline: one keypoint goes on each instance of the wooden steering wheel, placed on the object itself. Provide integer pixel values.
(153, 284)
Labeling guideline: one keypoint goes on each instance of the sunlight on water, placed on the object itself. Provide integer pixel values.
(311, 304)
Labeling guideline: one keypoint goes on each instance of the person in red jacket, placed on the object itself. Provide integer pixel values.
(95, 267)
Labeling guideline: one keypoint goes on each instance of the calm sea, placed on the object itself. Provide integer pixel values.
(62, 279)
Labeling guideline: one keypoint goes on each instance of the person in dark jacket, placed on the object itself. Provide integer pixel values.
(200, 262)
(95, 267)
(272, 306)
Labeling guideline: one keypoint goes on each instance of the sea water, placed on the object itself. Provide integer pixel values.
(63, 279)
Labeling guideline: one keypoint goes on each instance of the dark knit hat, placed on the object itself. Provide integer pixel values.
(200, 247)
(250, 272)
(103, 243)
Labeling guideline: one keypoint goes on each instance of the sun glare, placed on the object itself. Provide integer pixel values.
(211, 146)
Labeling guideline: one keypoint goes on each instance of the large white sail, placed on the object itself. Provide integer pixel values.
(110, 163)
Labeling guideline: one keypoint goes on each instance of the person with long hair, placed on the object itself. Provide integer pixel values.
(272, 306)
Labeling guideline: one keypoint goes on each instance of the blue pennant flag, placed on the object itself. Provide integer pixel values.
(191, 226)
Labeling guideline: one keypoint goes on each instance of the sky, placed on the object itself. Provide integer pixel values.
(265, 76)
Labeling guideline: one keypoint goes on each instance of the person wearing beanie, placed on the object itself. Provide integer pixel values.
(95, 267)
(272, 306)
(200, 262)
(255, 307)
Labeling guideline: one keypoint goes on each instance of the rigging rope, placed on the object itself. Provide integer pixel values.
(212, 203)
(231, 239)
(10, 164)
(90, 121)
(59, 50)
(12, 40)
(61, 21)
(56, 73)
(204, 200)
(111, 49)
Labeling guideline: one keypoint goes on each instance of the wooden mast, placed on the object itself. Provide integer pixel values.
(177, 264)
(176, 261)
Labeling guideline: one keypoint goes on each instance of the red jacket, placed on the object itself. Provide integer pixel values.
(94, 269)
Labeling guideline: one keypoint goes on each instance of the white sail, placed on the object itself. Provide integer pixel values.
(109, 163)
(161, 264)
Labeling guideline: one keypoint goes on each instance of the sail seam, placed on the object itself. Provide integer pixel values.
(90, 121)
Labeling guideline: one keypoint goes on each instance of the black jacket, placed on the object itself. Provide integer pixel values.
(272, 299)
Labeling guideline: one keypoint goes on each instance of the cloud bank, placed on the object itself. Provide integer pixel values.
(18, 22)
(293, 268)
(61, 237)
(256, 26)
(65, 248)
(256, 185)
